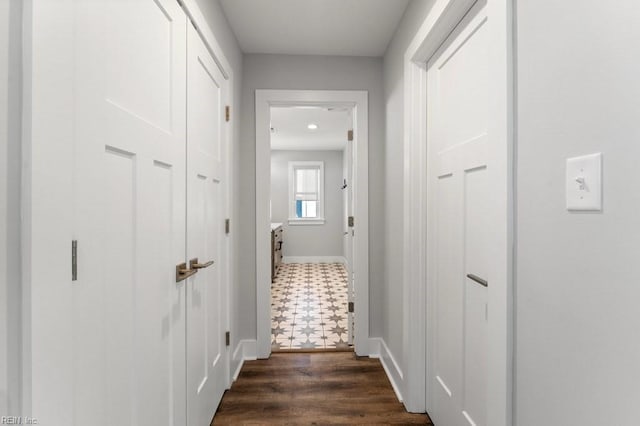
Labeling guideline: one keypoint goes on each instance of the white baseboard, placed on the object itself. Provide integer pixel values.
(247, 350)
(379, 349)
(314, 259)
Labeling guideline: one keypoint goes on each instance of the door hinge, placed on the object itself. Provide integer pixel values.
(227, 113)
(227, 226)
(227, 338)
(74, 260)
(351, 307)
(350, 135)
(350, 221)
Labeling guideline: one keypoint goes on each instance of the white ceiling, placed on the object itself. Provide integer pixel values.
(290, 130)
(314, 27)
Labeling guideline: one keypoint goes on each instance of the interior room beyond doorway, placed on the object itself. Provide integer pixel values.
(309, 206)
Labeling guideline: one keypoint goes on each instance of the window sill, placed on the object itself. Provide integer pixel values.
(315, 221)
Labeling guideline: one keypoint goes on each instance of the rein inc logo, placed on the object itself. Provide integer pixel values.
(18, 420)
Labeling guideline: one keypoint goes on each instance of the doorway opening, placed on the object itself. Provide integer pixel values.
(312, 221)
(311, 245)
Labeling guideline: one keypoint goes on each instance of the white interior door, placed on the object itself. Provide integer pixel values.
(206, 193)
(129, 196)
(457, 123)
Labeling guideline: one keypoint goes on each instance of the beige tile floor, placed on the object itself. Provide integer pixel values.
(309, 307)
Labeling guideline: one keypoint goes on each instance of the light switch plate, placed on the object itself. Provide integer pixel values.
(584, 183)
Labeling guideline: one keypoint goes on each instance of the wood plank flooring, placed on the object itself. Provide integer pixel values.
(313, 388)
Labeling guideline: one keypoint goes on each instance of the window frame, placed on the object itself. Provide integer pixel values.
(293, 219)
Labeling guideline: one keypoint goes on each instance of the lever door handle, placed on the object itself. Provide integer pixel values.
(182, 273)
(193, 263)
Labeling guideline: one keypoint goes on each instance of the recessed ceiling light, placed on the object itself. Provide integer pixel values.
(312, 126)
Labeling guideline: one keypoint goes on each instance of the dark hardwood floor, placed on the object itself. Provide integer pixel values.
(313, 388)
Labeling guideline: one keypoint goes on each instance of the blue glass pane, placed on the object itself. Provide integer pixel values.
(298, 208)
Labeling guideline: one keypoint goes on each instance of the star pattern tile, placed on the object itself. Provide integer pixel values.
(309, 307)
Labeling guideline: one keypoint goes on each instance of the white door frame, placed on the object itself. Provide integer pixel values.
(443, 18)
(265, 99)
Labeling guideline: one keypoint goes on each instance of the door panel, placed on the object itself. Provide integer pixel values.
(204, 130)
(135, 32)
(121, 294)
(129, 204)
(448, 312)
(457, 137)
(476, 309)
(206, 291)
(462, 86)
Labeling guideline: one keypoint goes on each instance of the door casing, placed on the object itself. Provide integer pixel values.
(358, 100)
(439, 23)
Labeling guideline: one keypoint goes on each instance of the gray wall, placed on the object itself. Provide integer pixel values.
(392, 304)
(10, 129)
(309, 240)
(319, 73)
(578, 321)
(212, 11)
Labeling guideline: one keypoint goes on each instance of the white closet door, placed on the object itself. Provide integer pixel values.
(129, 312)
(207, 362)
(458, 101)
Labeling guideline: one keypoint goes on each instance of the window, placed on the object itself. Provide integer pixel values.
(306, 193)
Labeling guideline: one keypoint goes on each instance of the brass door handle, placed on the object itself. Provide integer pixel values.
(193, 263)
(182, 273)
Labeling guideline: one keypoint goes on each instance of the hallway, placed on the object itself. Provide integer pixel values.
(313, 388)
(478, 185)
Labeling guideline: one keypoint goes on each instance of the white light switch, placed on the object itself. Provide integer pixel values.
(584, 183)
